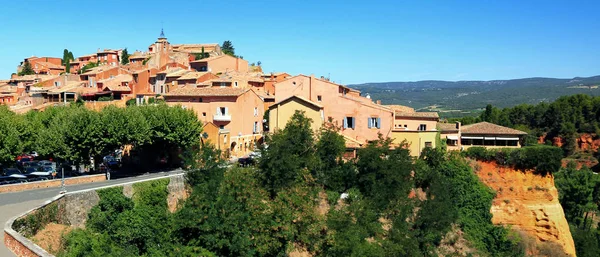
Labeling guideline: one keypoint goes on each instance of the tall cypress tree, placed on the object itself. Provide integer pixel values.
(124, 57)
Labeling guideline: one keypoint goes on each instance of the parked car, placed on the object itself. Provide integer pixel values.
(247, 161)
(46, 163)
(43, 172)
(30, 166)
(22, 159)
(111, 162)
(12, 175)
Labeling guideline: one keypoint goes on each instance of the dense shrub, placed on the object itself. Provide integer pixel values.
(544, 159)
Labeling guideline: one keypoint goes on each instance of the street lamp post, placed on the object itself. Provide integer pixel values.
(62, 182)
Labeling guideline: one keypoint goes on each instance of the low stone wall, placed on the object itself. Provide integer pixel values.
(16, 247)
(20, 245)
(51, 183)
(74, 207)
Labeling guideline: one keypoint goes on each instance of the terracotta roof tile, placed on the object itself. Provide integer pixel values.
(447, 127)
(177, 73)
(5, 88)
(69, 87)
(300, 98)
(209, 59)
(193, 75)
(35, 76)
(115, 84)
(51, 65)
(99, 69)
(400, 108)
(486, 128)
(191, 91)
(433, 115)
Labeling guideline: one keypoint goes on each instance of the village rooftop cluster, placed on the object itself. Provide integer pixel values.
(236, 101)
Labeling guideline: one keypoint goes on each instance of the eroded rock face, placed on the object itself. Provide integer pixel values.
(76, 207)
(177, 192)
(527, 202)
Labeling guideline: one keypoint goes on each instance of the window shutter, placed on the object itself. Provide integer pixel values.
(226, 110)
(345, 122)
(369, 122)
(378, 123)
(353, 122)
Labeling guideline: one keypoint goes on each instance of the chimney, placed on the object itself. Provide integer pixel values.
(458, 125)
(378, 102)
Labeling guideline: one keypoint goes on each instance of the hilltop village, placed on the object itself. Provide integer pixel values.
(236, 101)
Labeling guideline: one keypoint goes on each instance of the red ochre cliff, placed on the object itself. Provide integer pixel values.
(527, 202)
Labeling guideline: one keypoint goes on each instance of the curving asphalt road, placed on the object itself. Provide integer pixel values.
(13, 204)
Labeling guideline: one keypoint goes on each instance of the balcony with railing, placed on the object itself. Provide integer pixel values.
(222, 117)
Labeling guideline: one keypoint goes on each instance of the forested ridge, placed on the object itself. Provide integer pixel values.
(467, 97)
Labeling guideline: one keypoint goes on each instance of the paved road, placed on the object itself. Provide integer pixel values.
(13, 204)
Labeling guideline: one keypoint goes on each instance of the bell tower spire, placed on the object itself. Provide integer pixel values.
(162, 33)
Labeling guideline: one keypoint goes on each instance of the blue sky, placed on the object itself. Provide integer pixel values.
(352, 41)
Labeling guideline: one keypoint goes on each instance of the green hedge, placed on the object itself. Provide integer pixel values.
(542, 158)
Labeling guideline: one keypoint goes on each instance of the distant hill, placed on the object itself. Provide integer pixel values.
(463, 97)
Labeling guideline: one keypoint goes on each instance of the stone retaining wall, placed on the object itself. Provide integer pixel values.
(75, 207)
(20, 245)
(51, 183)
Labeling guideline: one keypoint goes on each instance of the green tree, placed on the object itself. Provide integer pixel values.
(329, 151)
(576, 190)
(10, 141)
(89, 66)
(569, 134)
(124, 126)
(26, 69)
(201, 55)
(289, 152)
(66, 59)
(384, 173)
(124, 57)
(227, 48)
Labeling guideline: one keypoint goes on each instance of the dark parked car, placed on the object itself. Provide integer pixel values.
(111, 162)
(247, 161)
(12, 175)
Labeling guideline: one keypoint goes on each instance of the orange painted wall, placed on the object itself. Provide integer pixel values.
(205, 77)
(141, 82)
(109, 58)
(223, 64)
(338, 106)
(414, 123)
(240, 108)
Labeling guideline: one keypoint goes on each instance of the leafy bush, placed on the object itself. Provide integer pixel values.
(106, 98)
(131, 102)
(332, 197)
(544, 159)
